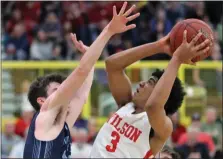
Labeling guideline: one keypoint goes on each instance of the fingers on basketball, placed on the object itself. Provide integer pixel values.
(195, 39)
(185, 36)
(203, 45)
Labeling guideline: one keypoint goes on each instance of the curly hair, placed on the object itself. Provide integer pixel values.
(176, 96)
(39, 88)
(174, 154)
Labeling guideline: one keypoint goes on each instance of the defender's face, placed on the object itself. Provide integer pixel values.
(52, 87)
(144, 90)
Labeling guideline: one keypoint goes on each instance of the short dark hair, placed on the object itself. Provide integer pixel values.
(170, 151)
(176, 96)
(39, 88)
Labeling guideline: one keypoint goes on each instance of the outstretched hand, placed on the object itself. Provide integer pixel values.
(187, 51)
(78, 44)
(119, 21)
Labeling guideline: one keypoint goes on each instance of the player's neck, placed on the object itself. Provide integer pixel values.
(138, 109)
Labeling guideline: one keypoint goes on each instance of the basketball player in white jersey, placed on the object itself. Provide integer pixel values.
(58, 101)
(141, 126)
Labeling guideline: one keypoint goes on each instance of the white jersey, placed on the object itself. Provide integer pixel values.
(124, 135)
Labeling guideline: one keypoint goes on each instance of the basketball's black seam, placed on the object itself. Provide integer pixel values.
(176, 34)
(196, 32)
(202, 24)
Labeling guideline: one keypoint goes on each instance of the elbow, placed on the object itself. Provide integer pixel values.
(112, 64)
(109, 64)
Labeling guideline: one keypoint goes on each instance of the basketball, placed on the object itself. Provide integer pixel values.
(193, 27)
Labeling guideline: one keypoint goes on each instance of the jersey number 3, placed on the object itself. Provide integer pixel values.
(114, 141)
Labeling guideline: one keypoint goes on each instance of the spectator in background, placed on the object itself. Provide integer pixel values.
(192, 147)
(194, 10)
(9, 139)
(115, 45)
(195, 136)
(42, 47)
(52, 27)
(211, 127)
(18, 148)
(196, 120)
(57, 52)
(92, 130)
(160, 25)
(80, 148)
(81, 123)
(27, 112)
(16, 18)
(70, 49)
(31, 13)
(178, 129)
(173, 12)
(17, 45)
(49, 6)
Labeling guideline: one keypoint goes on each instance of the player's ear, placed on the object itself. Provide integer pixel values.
(40, 100)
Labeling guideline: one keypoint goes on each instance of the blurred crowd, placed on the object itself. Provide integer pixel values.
(40, 30)
(35, 30)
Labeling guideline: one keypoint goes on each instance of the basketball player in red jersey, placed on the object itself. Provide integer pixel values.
(141, 126)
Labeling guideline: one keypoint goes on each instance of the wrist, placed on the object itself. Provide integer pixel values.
(108, 32)
(176, 60)
(159, 47)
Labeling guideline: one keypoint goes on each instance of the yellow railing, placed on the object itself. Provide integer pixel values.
(71, 64)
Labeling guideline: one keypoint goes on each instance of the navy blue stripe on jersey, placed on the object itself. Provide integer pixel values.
(42, 148)
(48, 148)
(36, 149)
(57, 148)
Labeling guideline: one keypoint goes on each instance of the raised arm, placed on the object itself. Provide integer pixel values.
(155, 105)
(62, 97)
(116, 64)
(80, 98)
(82, 94)
(74, 81)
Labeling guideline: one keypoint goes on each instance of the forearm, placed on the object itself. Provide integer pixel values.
(125, 58)
(83, 92)
(75, 80)
(161, 92)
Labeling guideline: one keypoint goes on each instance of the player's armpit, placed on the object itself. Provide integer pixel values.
(48, 121)
(120, 86)
(156, 144)
(161, 123)
(75, 109)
